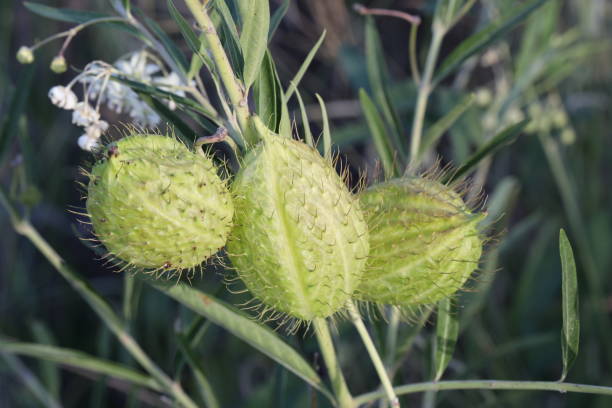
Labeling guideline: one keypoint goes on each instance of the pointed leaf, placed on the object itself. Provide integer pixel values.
(298, 77)
(570, 334)
(327, 153)
(277, 17)
(378, 78)
(484, 38)
(267, 94)
(447, 330)
(78, 359)
(305, 122)
(379, 134)
(257, 335)
(504, 137)
(254, 37)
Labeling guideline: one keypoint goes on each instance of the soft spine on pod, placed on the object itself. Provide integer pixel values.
(155, 204)
(424, 242)
(300, 242)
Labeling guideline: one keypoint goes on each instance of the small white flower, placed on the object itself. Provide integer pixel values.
(96, 129)
(63, 97)
(87, 143)
(143, 115)
(84, 114)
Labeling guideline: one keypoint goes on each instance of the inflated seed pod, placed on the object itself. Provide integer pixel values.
(155, 204)
(300, 242)
(424, 242)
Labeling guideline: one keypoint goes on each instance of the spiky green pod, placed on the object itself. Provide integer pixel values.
(424, 242)
(300, 241)
(156, 205)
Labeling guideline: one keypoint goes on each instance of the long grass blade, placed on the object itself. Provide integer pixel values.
(327, 152)
(205, 389)
(504, 137)
(30, 381)
(79, 359)
(304, 67)
(243, 327)
(379, 134)
(570, 334)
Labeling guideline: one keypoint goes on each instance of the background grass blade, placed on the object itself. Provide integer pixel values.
(378, 77)
(206, 390)
(379, 134)
(254, 37)
(277, 17)
(447, 330)
(260, 337)
(17, 103)
(570, 334)
(505, 136)
(64, 14)
(78, 359)
(435, 132)
(304, 67)
(30, 381)
(484, 38)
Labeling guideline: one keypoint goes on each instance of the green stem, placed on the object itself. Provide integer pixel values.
(97, 303)
(425, 88)
(232, 86)
(488, 385)
(373, 353)
(343, 396)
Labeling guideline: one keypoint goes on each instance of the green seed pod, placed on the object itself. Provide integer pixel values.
(300, 241)
(156, 205)
(25, 55)
(59, 65)
(424, 242)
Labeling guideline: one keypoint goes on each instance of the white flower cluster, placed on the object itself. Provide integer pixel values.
(98, 86)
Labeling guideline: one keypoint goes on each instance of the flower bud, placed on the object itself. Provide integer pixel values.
(300, 242)
(25, 55)
(58, 65)
(424, 242)
(157, 205)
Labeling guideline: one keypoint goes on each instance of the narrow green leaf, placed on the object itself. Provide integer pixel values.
(48, 370)
(378, 78)
(205, 389)
(9, 129)
(259, 336)
(175, 53)
(435, 132)
(141, 87)
(188, 34)
(305, 122)
(79, 17)
(64, 14)
(183, 130)
(327, 153)
(277, 17)
(78, 359)
(484, 38)
(298, 77)
(254, 38)
(502, 138)
(570, 334)
(30, 381)
(267, 94)
(379, 134)
(447, 331)
(228, 34)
